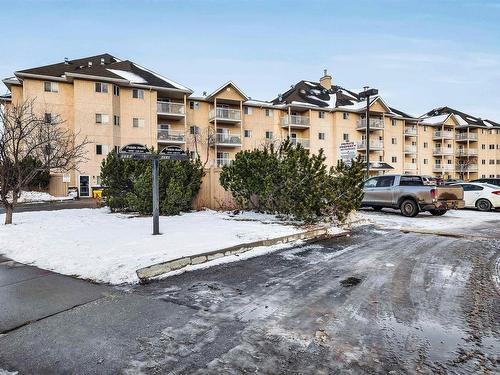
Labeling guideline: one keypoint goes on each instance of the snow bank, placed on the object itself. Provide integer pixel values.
(453, 219)
(39, 196)
(95, 244)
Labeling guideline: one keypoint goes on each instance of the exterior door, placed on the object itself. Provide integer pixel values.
(84, 186)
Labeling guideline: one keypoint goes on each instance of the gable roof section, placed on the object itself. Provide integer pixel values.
(104, 66)
(463, 118)
(228, 83)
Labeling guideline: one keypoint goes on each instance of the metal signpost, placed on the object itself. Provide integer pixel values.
(362, 95)
(141, 152)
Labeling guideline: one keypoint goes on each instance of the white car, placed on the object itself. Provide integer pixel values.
(484, 197)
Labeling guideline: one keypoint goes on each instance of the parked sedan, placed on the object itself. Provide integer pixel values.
(491, 181)
(484, 197)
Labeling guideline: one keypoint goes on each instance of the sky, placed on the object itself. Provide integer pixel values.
(420, 54)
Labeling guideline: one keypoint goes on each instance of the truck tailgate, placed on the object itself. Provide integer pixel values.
(449, 193)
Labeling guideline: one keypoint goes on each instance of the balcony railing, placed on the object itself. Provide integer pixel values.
(228, 139)
(300, 141)
(221, 162)
(467, 152)
(443, 167)
(375, 124)
(440, 134)
(170, 108)
(410, 166)
(224, 114)
(466, 137)
(173, 136)
(443, 151)
(410, 131)
(295, 121)
(410, 149)
(374, 145)
(467, 168)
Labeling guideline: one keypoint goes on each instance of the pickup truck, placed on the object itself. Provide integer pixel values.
(409, 194)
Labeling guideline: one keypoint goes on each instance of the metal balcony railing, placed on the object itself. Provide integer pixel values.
(224, 114)
(443, 167)
(466, 137)
(300, 141)
(410, 166)
(410, 149)
(467, 168)
(375, 124)
(171, 135)
(295, 120)
(220, 162)
(374, 145)
(443, 151)
(467, 152)
(410, 131)
(440, 134)
(228, 139)
(170, 108)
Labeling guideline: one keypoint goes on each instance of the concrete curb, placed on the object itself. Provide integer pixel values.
(443, 234)
(147, 273)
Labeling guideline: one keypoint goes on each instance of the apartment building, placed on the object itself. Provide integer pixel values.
(114, 102)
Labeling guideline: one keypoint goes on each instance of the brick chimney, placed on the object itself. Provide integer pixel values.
(326, 80)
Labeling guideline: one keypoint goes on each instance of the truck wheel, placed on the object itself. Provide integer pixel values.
(483, 205)
(437, 212)
(376, 208)
(409, 208)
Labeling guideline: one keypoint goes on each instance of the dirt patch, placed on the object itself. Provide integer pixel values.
(350, 281)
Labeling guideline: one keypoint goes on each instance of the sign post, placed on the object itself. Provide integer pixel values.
(141, 152)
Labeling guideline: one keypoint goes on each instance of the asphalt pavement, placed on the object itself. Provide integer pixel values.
(377, 302)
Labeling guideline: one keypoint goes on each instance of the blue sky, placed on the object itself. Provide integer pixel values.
(419, 54)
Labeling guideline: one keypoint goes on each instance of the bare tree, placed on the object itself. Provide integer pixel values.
(202, 140)
(463, 165)
(25, 135)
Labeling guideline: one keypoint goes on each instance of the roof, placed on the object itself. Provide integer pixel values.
(463, 118)
(401, 113)
(434, 119)
(104, 66)
(380, 166)
(228, 83)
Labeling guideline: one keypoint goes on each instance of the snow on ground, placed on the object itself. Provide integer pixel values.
(95, 244)
(452, 220)
(39, 196)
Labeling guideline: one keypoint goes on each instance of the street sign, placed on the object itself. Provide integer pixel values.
(348, 151)
(173, 153)
(135, 151)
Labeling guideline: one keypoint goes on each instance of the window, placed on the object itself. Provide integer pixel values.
(247, 110)
(492, 147)
(137, 94)
(470, 187)
(51, 86)
(194, 105)
(394, 141)
(371, 183)
(410, 181)
(483, 147)
(380, 158)
(385, 181)
(269, 112)
(98, 149)
(394, 122)
(345, 115)
(116, 90)
(193, 155)
(101, 87)
(247, 133)
(48, 118)
(492, 161)
(426, 161)
(483, 162)
(425, 128)
(101, 118)
(450, 161)
(426, 145)
(321, 136)
(116, 120)
(321, 114)
(269, 135)
(345, 137)
(194, 129)
(137, 122)
(394, 159)
(117, 149)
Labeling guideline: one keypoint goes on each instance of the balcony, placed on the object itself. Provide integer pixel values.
(300, 141)
(375, 124)
(443, 168)
(410, 149)
(410, 166)
(228, 140)
(221, 162)
(442, 151)
(410, 131)
(171, 136)
(440, 134)
(464, 137)
(170, 109)
(467, 168)
(374, 145)
(466, 152)
(225, 115)
(295, 122)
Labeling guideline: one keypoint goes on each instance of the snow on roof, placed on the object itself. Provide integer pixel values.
(461, 120)
(169, 81)
(258, 103)
(129, 76)
(434, 120)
